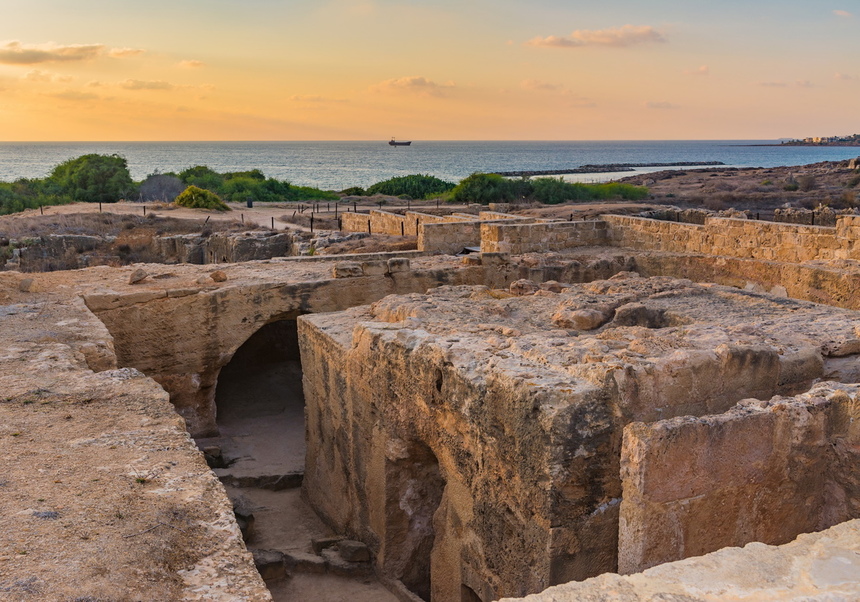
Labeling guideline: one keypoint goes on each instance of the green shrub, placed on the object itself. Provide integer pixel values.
(202, 177)
(93, 179)
(416, 186)
(28, 194)
(552, 191)
(354, 191)
(194, 197)
(308, 193)
(483, 188)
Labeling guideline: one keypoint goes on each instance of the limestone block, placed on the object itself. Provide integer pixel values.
(374, 268)
(495, 259)
(347, 269)
(398, 264)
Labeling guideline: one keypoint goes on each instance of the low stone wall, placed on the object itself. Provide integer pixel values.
(394, 224)
(763, 471)
(768, 241)
(517, 239)
(496, 215)
(451, 237)
(816, 566)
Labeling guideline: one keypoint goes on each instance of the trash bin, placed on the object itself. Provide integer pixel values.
(250, 203)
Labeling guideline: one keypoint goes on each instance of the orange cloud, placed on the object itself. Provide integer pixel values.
(535, 84)
(137, 84)
(619, 37)
(16, 53)
(660, 105)
(842, 13)
(74, 95)
(701, 70)
(414, 84)
(37, 75)
(190, 64)
(124, 53)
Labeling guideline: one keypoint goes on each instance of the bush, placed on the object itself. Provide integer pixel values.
(555, 190)
(240, 186)
(200, 198)
(417, 186)
(307, 193)
(354, 191)
(202, 177)
(160, 187)
(28, 194)
(806, 183)
(483, 188)
(93, 179)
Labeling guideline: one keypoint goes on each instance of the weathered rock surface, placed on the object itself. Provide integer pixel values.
(482, 442)
(816, 566)
(105, 493)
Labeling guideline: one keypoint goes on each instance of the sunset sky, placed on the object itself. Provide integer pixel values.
(428, 69)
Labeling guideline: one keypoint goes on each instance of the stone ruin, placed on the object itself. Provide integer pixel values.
(579, 400)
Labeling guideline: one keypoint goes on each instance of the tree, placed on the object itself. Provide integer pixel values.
(93, 178)
(161, 187)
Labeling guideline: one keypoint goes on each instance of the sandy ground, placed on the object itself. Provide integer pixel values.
(262, 214)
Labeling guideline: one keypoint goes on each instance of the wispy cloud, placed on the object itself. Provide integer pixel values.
(190, 64)
(74, 95)
(801, 83)
(16, 53)
(844, 77)
(618, 37)
(124, 53)
(536, 84)
(37, 75)
(701, 70)
(660, 105)
(137, 84)
(843, 13)
(415, 85)
(313, 98)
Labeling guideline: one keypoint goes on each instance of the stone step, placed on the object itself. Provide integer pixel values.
(276, 564)
(275, 482)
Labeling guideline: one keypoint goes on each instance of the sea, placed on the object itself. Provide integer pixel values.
(340, 165)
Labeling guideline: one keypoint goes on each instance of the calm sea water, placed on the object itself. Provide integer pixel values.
(339, 165)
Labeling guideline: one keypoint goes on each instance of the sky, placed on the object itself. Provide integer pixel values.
(115, 70)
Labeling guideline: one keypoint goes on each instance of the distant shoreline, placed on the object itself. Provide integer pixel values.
(606, 168)
(812, 144)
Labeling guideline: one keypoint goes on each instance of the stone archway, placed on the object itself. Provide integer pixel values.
(259, 405)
